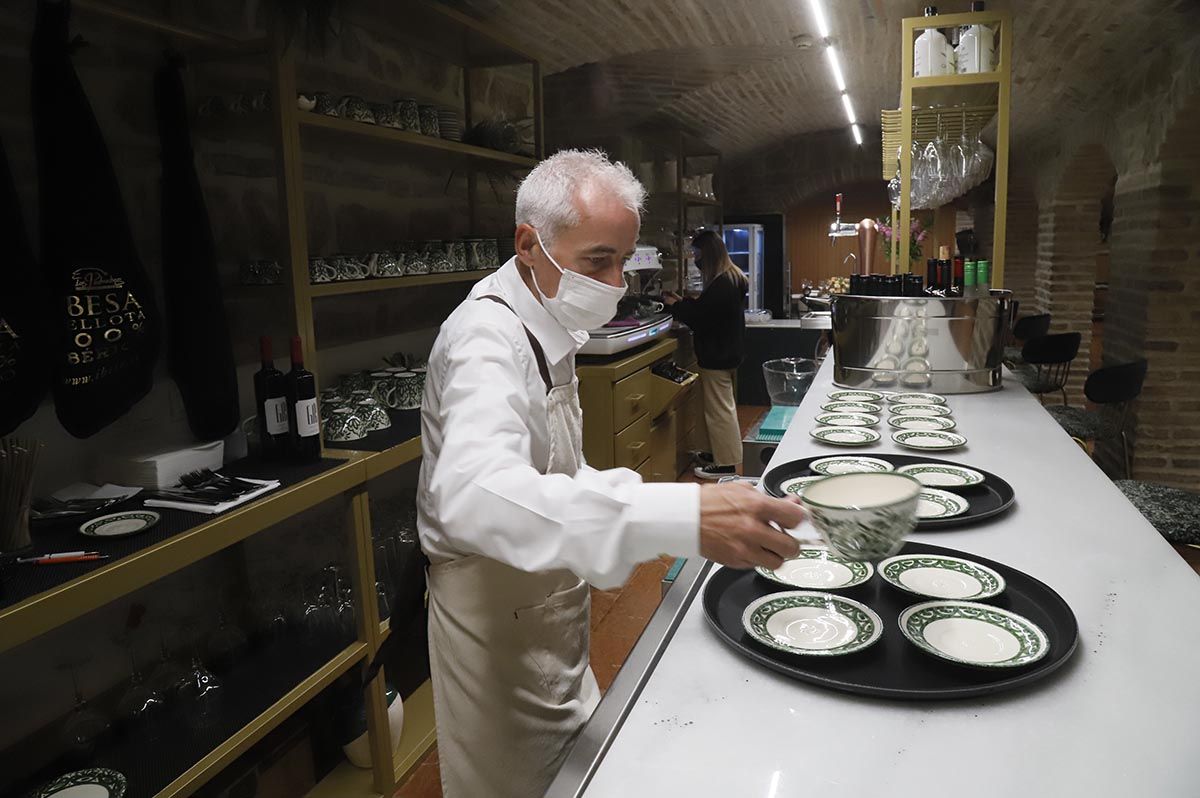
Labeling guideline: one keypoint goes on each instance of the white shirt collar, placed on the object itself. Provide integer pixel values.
(557, 341)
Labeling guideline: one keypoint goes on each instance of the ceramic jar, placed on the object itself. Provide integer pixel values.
(387, 264)
(456, 251)
(416, 261)
(435, 255)
(344, 425)
(491, 253)
(260, 272)
(386, 115)
(383, 389)
(409, 389)
(374, 415)
(356, 108)
(429, 120)
(306, 101)
(351, 267)
(357, 381)
(323, 103)
(476, 255)
(409, 114)
(321, 271)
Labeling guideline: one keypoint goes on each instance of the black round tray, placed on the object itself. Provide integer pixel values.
(987, 500)
(893, 667)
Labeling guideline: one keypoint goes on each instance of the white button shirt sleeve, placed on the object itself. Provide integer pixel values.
(486, 497)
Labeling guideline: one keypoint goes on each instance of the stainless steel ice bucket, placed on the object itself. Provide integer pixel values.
(920, 343)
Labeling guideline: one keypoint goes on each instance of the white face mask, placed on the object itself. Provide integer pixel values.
(581, 302)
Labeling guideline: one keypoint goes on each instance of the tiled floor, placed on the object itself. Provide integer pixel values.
(618, 618)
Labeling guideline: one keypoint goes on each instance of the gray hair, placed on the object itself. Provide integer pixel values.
(547, 195)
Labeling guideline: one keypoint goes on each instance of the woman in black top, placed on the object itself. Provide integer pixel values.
(718, 323)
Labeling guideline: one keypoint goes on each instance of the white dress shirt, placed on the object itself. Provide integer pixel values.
(485, 444)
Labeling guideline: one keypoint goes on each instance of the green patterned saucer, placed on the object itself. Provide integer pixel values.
(922, 422)
(934, 503)
(941, 577)
(819, 569)
(974, 634)
(796, 486)
(812, 623)
(119, 525)
(847, 419)
(852, 407)
(916, 399)
(939, 475)
(90, 783)
(855, 396)
(928, 439)
(850, 464)
(919, 410)
(845, 436)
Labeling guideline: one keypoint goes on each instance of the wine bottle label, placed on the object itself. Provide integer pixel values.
(276, 415)
(307, 421)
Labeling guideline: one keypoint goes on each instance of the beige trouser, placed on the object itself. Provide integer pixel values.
(720, 416)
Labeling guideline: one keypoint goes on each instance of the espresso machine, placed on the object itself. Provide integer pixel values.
(640, 316)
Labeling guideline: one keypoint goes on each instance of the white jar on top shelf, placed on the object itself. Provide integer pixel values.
(976, 49)
(931, 52)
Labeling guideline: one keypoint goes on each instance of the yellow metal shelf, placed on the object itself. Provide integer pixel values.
(318, 124)
(393, 283)
(258, 728)
(419, 735)
(39, 614)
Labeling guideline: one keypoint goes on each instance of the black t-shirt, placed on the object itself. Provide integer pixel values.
(718, 322)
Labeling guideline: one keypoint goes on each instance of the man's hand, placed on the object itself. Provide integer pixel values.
(736, 526)
(670, 298)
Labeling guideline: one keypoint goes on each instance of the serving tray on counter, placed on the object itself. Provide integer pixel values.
(893, 667)
(988, 499)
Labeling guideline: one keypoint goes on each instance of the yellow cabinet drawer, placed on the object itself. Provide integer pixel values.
(631, 398)
(647, 471)
(632, 445)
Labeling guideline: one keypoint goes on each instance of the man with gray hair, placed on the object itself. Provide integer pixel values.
(514, 523)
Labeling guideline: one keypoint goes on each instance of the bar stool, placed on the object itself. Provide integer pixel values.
(1024, 330)
(1174, 512)
(1113, 388)
(1048, 363)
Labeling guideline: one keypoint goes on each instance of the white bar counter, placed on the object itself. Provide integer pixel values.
(1122, 718)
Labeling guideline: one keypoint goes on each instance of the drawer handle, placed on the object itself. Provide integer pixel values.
(633, 447)
(634, 398)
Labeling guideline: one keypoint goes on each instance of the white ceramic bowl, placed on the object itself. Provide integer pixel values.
(863, 516)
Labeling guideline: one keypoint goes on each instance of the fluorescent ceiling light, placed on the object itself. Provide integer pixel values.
(819, 16)
(857, 135)
(836, 66)
(849, 108)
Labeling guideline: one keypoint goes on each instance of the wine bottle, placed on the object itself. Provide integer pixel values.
(271, 404)
(301, 388)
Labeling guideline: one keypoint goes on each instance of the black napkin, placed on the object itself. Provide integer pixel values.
(199, 353)
(105, 324)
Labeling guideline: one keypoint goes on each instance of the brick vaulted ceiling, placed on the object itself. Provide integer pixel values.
(730, 70)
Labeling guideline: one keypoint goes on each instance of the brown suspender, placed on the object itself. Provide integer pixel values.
(538, 352)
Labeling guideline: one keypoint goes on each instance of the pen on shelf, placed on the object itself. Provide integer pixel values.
(63, 560)
(57, 556)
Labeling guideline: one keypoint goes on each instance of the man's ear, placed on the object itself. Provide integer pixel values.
(526, 243)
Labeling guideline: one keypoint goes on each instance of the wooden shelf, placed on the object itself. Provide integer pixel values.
(419, 735)
(258, 728)
(53, 607)
(344, 287)
(314, 126)
(977, 89)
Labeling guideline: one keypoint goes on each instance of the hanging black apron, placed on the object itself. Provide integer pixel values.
(199, 353)
(105, 324)
(24, 359)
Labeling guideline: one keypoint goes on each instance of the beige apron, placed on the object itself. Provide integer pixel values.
(509, 651)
